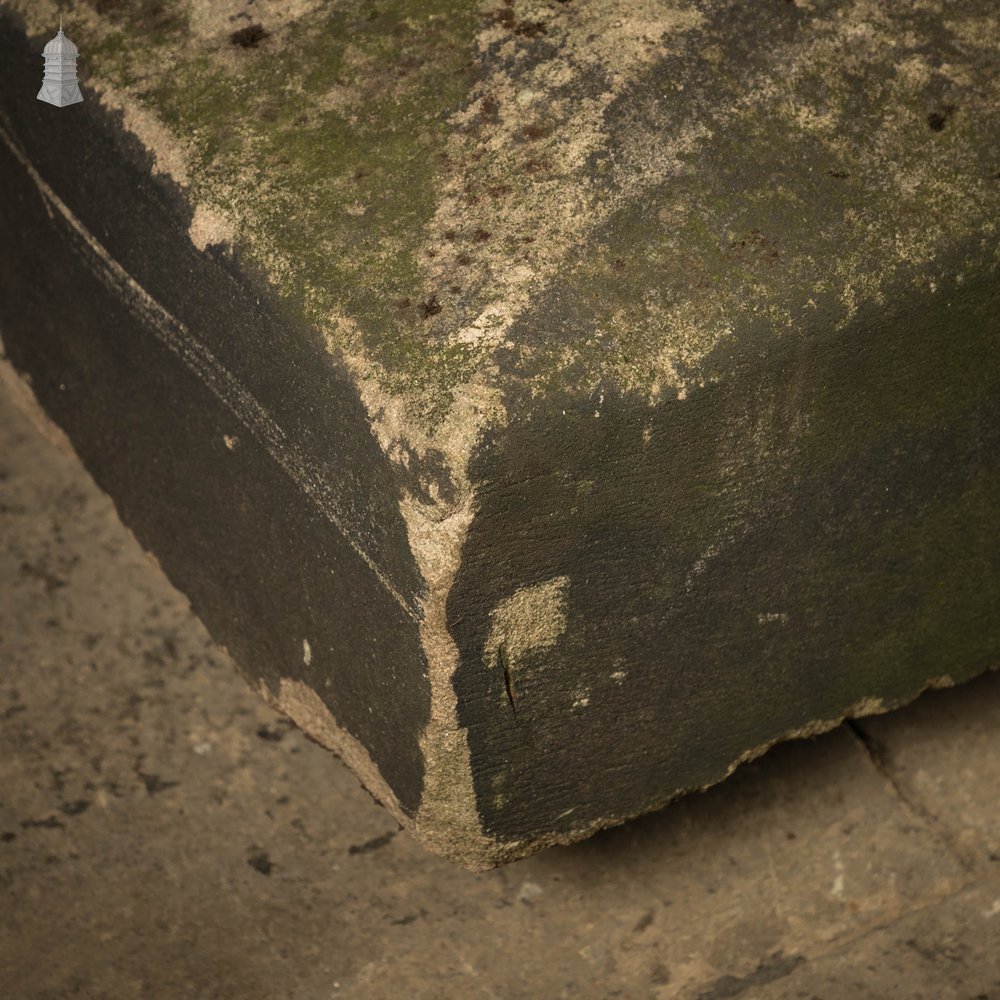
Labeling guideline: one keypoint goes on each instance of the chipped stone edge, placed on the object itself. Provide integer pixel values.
(299, 702)
(18, 388)
(516, 850)
(295, 699)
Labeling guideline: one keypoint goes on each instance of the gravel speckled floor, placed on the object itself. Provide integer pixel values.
(164, 835)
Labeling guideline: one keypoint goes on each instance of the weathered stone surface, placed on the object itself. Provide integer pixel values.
(549, 405)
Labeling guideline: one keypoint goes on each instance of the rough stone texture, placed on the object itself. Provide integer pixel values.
(550, 405)
(163, 834)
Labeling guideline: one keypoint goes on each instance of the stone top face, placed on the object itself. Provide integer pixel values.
(572, 194)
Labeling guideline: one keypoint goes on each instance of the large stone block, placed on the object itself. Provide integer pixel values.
(550, 406)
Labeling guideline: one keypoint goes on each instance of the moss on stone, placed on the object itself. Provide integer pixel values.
(324, 144)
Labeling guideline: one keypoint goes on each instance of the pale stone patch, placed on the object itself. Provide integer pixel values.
(772, 618)
(597, 37)
(529, 621)
(308, 711)
(529, 891)
(209, 228)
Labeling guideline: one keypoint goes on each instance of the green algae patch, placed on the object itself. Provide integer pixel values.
(335, 198)
(322, 144)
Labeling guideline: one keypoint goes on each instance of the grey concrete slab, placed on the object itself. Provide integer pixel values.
(943, 952)
(164, 834)
(941, 753)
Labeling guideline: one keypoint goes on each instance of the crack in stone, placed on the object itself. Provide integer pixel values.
(878, 755)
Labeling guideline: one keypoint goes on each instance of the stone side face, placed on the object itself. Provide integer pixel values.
(810, 536)
(231, 446)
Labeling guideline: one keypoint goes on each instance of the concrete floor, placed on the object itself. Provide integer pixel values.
(163, 834)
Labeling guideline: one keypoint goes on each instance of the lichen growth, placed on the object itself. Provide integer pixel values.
(417, 177)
